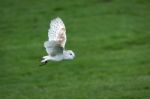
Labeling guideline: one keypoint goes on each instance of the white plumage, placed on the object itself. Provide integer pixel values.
(55, 46)
(57, 31)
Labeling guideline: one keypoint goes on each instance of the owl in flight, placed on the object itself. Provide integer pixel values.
(55, 46)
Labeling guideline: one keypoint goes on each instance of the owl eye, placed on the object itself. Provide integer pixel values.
(70, 54)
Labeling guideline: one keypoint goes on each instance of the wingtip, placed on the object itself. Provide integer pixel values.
(56, 18)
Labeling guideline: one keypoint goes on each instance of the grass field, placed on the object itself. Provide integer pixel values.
(111, 39)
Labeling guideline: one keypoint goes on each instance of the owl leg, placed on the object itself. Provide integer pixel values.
(44, 60)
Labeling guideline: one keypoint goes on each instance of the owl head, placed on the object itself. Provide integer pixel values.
(69, 55)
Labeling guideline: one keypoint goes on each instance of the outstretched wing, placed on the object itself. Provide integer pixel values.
(57, 31)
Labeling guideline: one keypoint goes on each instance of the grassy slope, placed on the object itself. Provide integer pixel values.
(110, 38)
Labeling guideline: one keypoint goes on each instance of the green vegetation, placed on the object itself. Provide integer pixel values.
(111, 39)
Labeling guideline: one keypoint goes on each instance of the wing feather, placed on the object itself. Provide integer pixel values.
(53, 48)
(57, 31)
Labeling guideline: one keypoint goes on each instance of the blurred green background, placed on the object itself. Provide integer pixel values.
(111, 39)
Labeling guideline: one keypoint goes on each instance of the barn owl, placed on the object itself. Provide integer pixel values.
(55, 46)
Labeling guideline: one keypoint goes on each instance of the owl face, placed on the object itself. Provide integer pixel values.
(69, 54)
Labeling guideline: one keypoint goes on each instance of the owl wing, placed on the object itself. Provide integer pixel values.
(53, 48)
(57, 32)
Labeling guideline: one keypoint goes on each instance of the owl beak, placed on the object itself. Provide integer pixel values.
(73, 57)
